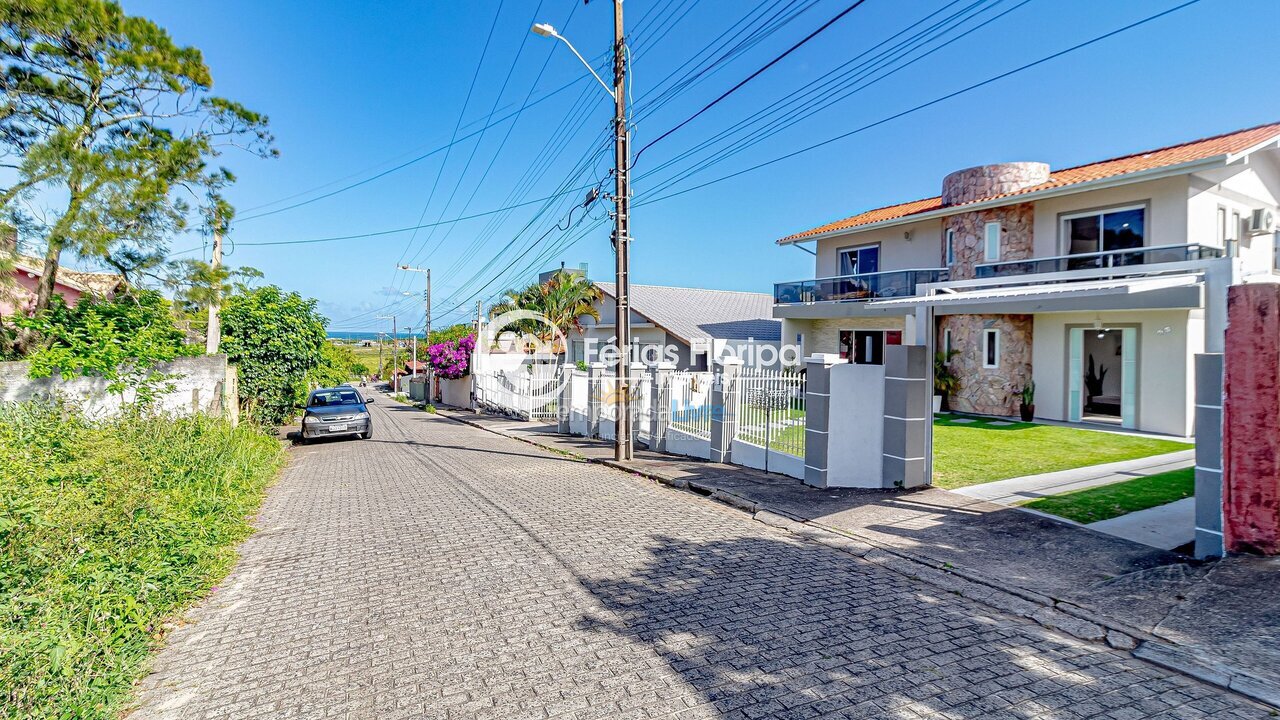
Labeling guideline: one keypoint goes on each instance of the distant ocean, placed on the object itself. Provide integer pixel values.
(355, 336)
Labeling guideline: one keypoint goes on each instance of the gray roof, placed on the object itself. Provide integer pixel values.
(690, 313)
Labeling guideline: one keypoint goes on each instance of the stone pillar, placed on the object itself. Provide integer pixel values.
(564, 401)
(907, 413)
(595, 373)
(817, 407)
(1251, 421)
(659, 412)
(1208, 455)
(724, 409)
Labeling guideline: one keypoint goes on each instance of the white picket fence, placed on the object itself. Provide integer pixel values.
(528, 391)
(771, 410)
(688, 398)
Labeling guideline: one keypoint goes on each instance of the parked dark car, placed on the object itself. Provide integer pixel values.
(335, 412)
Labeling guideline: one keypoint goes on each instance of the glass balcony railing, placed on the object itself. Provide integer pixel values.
(1089, 261)
(867, 286)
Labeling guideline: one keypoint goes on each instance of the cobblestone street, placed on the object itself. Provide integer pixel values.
(441, 571)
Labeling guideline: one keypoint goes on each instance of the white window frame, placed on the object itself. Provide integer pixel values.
(1222, 225)
(1064, 235)
(950, 253)
(989, 334)
(855, 249)
(1234, 228)
(990, 254)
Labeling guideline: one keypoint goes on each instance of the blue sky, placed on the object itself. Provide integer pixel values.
(356, 89)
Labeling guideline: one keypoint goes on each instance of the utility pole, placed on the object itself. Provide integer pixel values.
(426, 299)
(213, 333)
(380, 336)
(395, 346)
(621, 218)
(622, 239)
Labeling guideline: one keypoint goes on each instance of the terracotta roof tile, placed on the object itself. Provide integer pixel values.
(1149, 160)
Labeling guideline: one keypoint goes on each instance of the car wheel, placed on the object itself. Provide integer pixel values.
(366, 434)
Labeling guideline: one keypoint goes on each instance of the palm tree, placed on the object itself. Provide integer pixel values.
(564, 299)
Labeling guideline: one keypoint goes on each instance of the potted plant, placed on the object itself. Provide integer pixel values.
(945, 382)
(1027, 406)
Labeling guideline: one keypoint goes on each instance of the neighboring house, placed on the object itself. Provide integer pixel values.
(699, 324)
(1093, 280)
(70, 284)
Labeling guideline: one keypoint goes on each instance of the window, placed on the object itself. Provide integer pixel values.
(1234, 233)
(946, 341)
(991, 242)
(951, 247)
(990, 348)
(1103, 231)
(860, 260)
(1222, 225)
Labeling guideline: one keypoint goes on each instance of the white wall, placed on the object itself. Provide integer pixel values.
(855, 445)
(1165, 395)
(198, 387)
(456, 392)
(923, 250)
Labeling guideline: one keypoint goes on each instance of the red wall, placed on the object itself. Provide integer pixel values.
(1251, 420)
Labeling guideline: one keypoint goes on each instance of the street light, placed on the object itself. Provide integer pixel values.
(621, 217)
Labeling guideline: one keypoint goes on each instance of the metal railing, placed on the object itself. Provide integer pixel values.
(1107, 259)
(688, 397)
(866, 286)
(771, 410)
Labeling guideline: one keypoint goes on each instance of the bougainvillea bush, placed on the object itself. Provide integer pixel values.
(452, 359)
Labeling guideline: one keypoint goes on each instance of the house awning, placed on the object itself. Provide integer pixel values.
(1185, 293)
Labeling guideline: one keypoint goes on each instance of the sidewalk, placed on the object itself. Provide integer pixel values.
(1030, 487)
(1219, 621)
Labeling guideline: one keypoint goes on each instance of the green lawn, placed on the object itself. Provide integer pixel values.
(1108, 501)
(978, 452)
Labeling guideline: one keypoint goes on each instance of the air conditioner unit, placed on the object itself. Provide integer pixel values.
(1262, 221)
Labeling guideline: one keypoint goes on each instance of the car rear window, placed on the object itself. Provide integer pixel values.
(335, 397)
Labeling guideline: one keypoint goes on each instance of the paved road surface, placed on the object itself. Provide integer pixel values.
(441, 571)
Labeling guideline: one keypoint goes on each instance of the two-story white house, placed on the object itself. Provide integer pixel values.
(1098, 282)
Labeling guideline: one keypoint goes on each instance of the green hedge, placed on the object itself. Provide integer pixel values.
(108, 529)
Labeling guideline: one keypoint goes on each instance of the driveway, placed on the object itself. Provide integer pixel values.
(442, 571)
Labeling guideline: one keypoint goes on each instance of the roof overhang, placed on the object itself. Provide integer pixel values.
(1099, 184)
(1138, 293)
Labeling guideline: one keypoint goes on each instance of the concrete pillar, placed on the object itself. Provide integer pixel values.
(907, 413)
(1208, 455)
(817, 408)
(595, 373)
(634, 371)
(564, 399)
(1251, 421)
(724, 409)
(659, 411)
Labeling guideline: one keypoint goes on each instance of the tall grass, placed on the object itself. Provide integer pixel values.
(107, 529)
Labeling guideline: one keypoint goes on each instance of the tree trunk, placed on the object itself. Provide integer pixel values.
(48, 276)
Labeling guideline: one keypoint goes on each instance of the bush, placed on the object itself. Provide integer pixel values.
(107, 529)
(275, 339)
(338, 364)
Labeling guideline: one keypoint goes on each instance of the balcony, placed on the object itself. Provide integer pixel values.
(1091, 261)
(867, 286)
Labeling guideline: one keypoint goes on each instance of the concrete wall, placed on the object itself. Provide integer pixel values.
(456, 392)
(856, 426)
(198, 387)
(1165, 402)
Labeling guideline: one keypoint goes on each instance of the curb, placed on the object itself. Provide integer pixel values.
(1048, 612)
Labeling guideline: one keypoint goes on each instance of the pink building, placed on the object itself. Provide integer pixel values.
(70, 284)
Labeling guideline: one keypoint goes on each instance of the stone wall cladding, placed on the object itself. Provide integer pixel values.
(984, 181)
(988, 391)
(1017, 224)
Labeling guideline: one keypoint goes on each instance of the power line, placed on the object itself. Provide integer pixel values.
(928, 104)
(750, 77)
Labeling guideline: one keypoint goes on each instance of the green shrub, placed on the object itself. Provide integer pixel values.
(107, 529)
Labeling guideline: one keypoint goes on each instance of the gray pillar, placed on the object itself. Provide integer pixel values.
(907, 412)
(659, 412)
(595, 373)
(817, 416)
(724, 409)
(564, 399)
(1209, 541)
